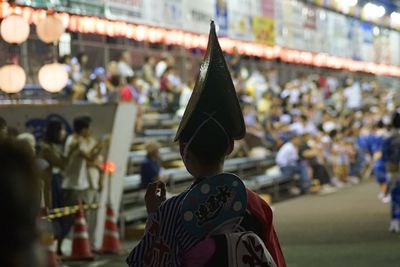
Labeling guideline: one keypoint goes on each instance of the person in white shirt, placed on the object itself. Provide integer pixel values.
(83, 177)
(124, 65)
(161, 66)
(353, 95)
(289, 162)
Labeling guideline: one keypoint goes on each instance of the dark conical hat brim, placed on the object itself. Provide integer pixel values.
(213, 94)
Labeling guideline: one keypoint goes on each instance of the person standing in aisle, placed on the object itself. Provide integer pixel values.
(83, 179)
(52, 151)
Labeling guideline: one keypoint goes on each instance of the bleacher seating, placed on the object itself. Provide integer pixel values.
(161, 127)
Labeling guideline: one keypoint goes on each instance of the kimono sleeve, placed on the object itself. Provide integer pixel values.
(158, 245)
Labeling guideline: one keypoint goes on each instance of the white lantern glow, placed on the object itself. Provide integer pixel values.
(50, 29)
(14, 29)
(53, 77)
(12, 78)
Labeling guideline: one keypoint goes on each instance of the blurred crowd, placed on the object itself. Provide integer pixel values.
(327, 131)
(324, 129)
(69, 169)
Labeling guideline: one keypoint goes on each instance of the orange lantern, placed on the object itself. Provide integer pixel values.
(14, 29)
(53, 77)
(12, 78)
(50, 29)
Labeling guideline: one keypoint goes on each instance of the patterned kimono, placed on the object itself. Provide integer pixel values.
(166, 240)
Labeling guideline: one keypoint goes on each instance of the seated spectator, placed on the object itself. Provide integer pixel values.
(132, 92)
(124, 65)
(78, 69)
(148, 69)
(113, 81)
(98, 92)
(289, 162)
(184, 97)
(169, 88)
(150, 167)
(161, 66)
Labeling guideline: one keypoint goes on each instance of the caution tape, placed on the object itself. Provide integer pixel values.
(65, 211)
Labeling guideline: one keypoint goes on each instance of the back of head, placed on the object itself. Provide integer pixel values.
(20, 202)
(81, 123)
(152, 148)
(209, 145)
(53, 132)
(28, 139)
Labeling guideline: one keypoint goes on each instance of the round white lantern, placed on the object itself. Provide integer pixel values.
(50, 29)
(14, 29)
(12, 78)
(53, 77)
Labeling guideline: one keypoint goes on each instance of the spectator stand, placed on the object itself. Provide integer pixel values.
(161, 127)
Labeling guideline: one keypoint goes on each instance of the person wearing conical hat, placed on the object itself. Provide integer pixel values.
(212, 121)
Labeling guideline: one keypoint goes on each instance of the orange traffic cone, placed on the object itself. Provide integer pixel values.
(80, 243)
(47, 240)
(111, 243)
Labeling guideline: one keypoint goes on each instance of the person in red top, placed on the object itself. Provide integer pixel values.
(132, 92)
(212, 121)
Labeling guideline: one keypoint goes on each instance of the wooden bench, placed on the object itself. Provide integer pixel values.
(132, 205)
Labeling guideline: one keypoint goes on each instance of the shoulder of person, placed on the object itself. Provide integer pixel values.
(258, 206)
(174, 202)
(70, 140)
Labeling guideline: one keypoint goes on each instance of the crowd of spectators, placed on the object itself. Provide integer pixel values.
(323, 129)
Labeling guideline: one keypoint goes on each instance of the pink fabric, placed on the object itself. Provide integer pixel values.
(200, 254)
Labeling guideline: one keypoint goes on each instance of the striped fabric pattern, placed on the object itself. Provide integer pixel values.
(165, 239)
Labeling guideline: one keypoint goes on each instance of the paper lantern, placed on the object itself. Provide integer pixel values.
(12, 78)
(14, 29)
(53, 77)
(50, 29)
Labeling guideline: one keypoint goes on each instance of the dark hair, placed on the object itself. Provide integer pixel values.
(396, 120)
(81, 123)
(53, 131)
(64, 58)
(147, 58)
(333, 133)
(131, 78)
(168, 69)
(80, 56)
(115, 80)
(19, 203)
(210, 144)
